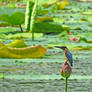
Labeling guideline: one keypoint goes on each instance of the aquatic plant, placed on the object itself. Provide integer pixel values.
(33, 18)
(28, 14)
(66, 72)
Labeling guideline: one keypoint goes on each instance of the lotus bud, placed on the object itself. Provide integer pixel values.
(66, 70)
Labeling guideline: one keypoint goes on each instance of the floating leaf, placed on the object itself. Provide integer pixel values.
(17, 44)
(63, 4)
(23, 35)
(27, 52)
(89, 41)
(1, 44)
(46, 5)
(44, 27)
(41, 19)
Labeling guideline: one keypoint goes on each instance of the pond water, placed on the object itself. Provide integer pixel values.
(43, 75)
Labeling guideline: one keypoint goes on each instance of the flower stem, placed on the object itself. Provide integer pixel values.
(66, 84)
(33, 18)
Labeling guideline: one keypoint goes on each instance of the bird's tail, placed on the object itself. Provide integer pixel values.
(71, 64)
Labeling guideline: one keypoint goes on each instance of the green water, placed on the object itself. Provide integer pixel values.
(43, 74)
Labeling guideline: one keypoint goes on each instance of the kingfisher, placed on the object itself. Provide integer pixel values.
(67, 54)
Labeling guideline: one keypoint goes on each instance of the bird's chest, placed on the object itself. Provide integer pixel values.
(65, 55)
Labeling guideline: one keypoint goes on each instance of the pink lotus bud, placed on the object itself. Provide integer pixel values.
(66, 70)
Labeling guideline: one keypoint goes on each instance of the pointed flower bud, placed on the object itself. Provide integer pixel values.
(66, 70)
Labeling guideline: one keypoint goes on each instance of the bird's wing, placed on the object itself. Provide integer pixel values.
(69, 56)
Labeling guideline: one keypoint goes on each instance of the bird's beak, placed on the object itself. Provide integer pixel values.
(59, 47)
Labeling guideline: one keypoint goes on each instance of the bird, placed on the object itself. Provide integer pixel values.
(67, 54)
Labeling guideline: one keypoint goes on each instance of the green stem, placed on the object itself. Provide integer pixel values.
(3, 75)
(28, 13)
(33, 18)
(21, 28)
(32, 35)
(66, 84)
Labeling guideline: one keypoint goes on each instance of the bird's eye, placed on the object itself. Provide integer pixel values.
(65, 48)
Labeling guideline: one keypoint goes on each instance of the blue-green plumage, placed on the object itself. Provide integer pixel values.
(69, 57)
